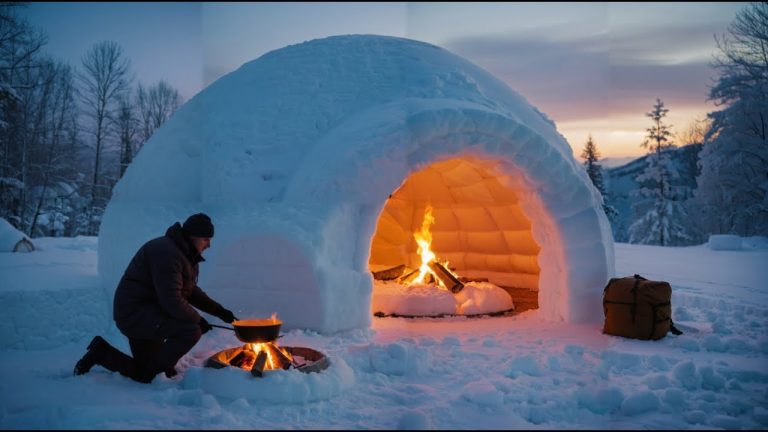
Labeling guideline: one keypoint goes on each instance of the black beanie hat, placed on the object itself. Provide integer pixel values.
(198, 225)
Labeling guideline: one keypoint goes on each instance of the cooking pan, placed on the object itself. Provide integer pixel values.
(255, 330)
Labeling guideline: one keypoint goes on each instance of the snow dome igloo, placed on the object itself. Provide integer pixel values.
(316, 161)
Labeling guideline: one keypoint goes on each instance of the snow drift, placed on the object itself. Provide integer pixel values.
(316, 161)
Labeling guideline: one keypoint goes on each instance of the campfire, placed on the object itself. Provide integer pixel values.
(259, 357)
(266, 355)
(431, 287)
(431, 270)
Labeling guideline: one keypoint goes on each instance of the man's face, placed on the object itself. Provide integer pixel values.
(201, 243)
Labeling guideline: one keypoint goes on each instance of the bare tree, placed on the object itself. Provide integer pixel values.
(695, 132)
(104, 81)
(127, 125)
(19, 47)
(51, 211)
(155, 105)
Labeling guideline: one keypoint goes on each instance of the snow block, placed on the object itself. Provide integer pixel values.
(724, 242)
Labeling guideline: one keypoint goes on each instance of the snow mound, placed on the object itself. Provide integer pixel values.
(482, 297)
(427, 300)
(430, 300)
(483, 393)
(399, 358)
(602, 400)
(13, 240)
(640, 402)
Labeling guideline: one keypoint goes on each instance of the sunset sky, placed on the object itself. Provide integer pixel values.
(592, 67)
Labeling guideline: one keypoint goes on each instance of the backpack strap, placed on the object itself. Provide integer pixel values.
(638, 278)
(675, 331)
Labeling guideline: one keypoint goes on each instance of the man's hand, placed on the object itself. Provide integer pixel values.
(204, 326)
(226, 315)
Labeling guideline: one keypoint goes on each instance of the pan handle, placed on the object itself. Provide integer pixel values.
(220, 326)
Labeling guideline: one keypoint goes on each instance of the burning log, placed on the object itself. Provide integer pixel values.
(244, 359)
(465, 279)
(259, 364)
(408, 277)
(390, 273)
(445, 276)
(279, 359)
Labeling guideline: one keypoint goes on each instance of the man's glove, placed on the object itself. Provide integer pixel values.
(226, 315)
(204, 326)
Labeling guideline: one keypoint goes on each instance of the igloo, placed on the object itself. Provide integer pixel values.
(316, 161)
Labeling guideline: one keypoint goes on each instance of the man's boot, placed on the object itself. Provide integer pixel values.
(100, 352)
(92, 355)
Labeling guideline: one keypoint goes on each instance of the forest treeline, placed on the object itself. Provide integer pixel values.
(729, 190)
(68, 132)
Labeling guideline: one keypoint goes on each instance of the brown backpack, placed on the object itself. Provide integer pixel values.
(638, 308)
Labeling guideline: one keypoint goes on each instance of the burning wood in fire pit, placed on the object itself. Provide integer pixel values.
(269, 356)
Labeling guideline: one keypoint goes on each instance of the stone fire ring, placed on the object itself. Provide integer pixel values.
(317, 360)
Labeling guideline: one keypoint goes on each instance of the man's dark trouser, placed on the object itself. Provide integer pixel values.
(157, 343)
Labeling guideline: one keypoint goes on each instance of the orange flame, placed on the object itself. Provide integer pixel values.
(424, 240)
(268, 347)
(272, 362)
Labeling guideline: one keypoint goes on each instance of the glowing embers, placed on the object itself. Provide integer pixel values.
(260, 358)
(433, 289)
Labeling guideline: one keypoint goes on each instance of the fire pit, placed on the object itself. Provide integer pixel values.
(260, 357)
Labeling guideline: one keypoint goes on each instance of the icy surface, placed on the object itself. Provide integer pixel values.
(518, 372)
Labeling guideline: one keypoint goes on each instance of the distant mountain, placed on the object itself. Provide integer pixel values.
(620, 182)
(616, 161)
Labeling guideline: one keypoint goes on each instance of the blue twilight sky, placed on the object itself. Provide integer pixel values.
(592, 67)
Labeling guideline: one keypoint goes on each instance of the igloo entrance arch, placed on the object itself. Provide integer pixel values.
(295, 169)
(476, 226)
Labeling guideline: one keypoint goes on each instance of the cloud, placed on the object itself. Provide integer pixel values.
(551, 74)
(683, 42)
(597, 75)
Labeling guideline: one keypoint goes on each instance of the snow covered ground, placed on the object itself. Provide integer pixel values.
(504, 372)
